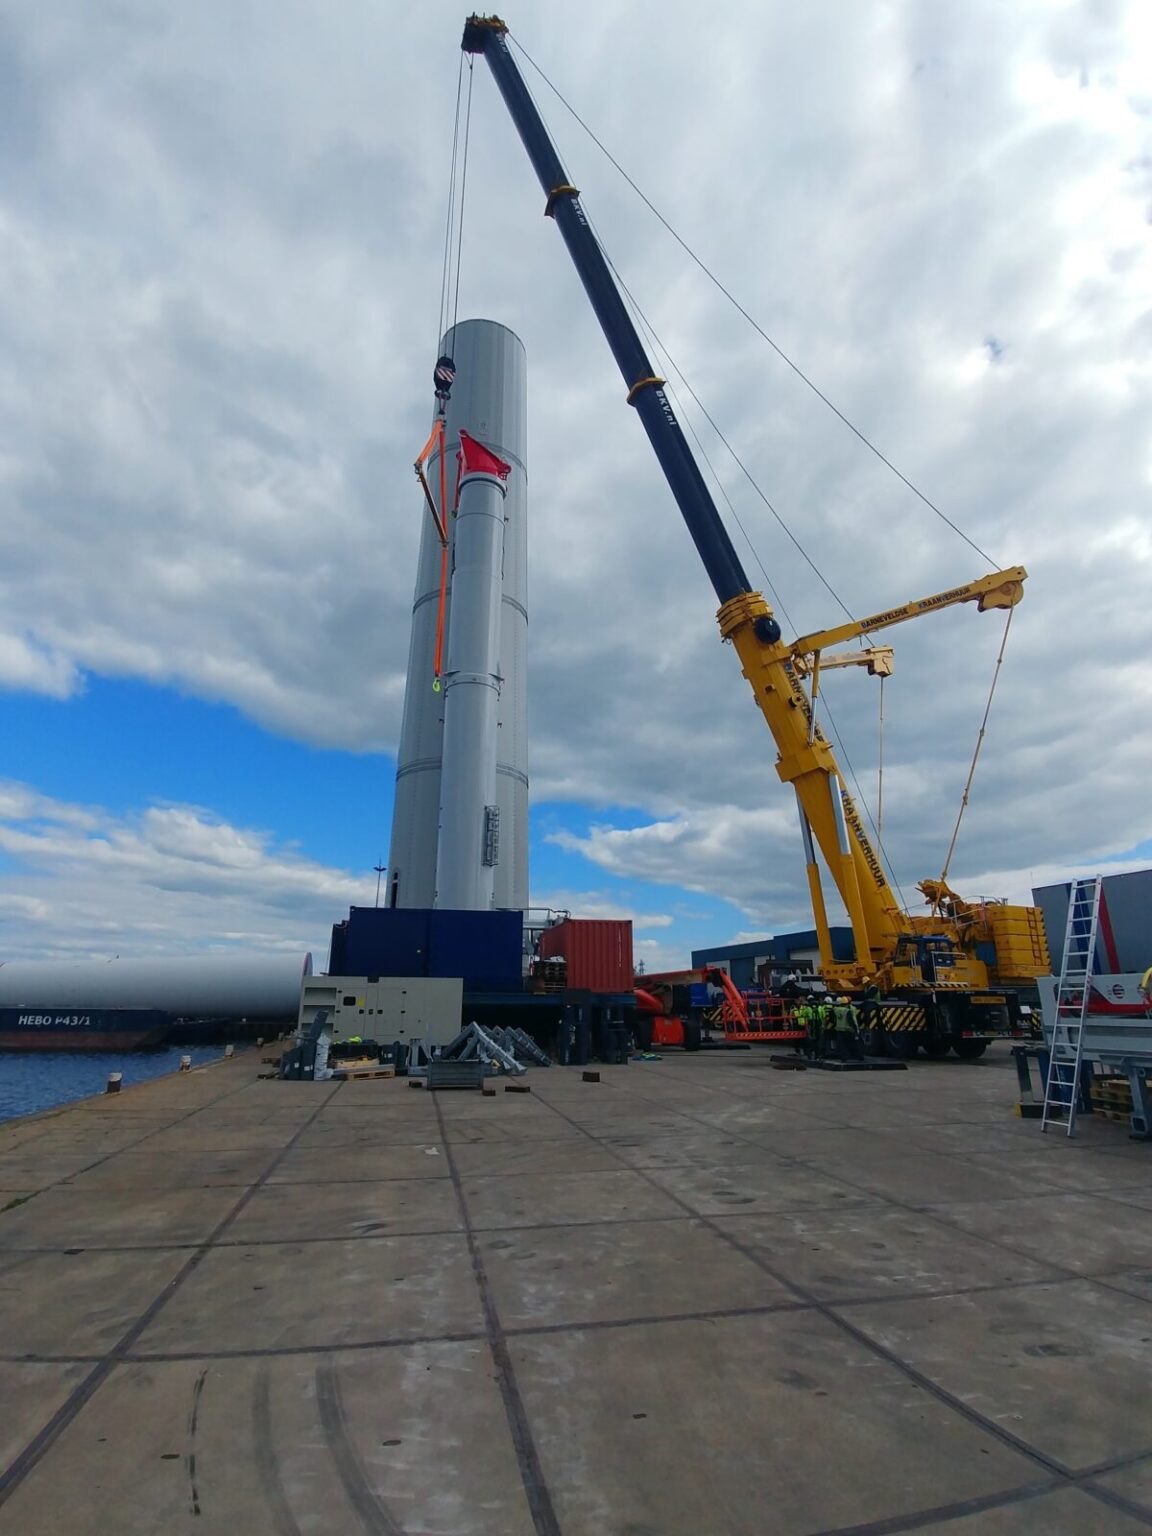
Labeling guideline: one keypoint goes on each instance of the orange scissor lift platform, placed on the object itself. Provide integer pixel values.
(744, 1018)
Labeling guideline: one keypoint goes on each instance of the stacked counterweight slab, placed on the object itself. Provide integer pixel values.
(489, 401)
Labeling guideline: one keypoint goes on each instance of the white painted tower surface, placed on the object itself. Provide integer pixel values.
(489, 400)
(469, 846)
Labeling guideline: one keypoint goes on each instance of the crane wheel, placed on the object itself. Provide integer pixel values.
(691, 1035)
(936, 1048)
(969, 1050)
(902, 1044)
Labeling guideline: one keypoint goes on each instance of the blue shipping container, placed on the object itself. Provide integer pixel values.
(385, 941)
(482, 947)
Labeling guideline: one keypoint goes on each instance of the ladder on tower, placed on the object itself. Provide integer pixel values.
(1073, 994)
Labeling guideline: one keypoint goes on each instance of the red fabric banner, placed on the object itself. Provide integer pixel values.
(474, 459)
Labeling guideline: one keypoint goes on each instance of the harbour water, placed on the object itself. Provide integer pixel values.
(35, 1080)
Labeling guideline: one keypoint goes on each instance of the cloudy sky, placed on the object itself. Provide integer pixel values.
(221, 231)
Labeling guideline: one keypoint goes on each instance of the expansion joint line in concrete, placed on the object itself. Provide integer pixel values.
(1060, 1475)
(962, 1508)
(934, 1212)
(944, 1512)
(140, 1140)
(536, 1490)
(12, 1477)
(535, 1330)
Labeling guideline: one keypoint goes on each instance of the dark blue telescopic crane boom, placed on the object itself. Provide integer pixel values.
(890, 945)
(487, 35)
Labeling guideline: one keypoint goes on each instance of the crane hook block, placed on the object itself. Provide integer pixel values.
(442, 377)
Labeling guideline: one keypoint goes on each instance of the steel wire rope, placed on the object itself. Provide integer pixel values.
(979, 744)
(845, 757)
(835, 410)
(662, 351)
(446, 270)
(463, 191)
(756, 326)
(832, 407)
(880, 765)
(659, 346)
(669, 362)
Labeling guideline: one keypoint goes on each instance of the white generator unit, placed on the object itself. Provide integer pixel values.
(385, 1009)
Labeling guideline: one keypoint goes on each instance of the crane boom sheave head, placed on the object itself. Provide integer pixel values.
(1008, 593)
(477, 31)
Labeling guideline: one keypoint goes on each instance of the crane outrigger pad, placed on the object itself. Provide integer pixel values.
(876, 1064)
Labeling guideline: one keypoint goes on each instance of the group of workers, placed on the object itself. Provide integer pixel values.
(832, 1028)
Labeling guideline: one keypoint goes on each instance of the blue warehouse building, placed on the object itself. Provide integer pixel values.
(748, 963)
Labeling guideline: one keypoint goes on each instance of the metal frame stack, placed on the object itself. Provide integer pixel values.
(498, 1049)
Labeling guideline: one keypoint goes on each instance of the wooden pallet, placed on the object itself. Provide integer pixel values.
(1112, 1093)
(347, 1074)
(1114, 1083)
(1115, 1115)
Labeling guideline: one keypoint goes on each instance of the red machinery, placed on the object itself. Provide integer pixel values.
(754, 1015)
(663, 1002)
(744, 1018)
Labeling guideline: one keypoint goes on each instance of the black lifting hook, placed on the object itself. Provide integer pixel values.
(442, 377)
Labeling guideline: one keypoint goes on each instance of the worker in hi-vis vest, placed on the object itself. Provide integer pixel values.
(847, 1030)
(803, 1017)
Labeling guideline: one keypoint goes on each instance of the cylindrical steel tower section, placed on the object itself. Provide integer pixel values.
(469, 816)
(489, 400)
(416, 813)
(186, 986)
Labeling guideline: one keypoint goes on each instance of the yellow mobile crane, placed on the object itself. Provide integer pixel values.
(937, 969)
(945, 979)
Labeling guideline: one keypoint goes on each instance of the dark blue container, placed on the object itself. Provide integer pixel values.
(381, 941)
(337, 950)
(482, 947)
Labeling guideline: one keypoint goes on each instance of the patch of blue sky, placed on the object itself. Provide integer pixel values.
(1142, 850)
(125, 745)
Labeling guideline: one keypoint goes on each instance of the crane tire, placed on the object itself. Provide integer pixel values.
(969, 1050)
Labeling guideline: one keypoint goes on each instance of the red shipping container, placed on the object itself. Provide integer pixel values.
(599, 953)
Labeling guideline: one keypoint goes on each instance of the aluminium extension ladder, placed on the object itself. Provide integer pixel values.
(1073, 994)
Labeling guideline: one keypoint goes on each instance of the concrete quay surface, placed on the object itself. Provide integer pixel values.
(698, 1298)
